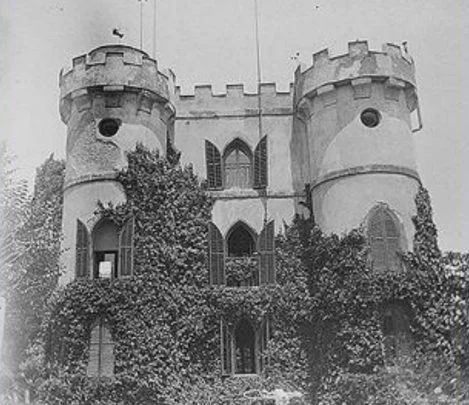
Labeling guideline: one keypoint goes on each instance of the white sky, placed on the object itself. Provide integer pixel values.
(212, 41)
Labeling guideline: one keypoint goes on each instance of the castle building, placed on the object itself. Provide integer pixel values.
(344, 129)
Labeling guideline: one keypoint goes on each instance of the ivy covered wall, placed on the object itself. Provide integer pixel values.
(327, 313)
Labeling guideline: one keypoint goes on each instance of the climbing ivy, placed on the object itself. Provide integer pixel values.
(165, 319)
(326, 311)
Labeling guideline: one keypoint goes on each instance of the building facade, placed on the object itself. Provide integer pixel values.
(343, 133)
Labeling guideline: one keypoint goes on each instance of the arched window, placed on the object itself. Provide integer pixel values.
(101, 350)
(105, 249)
(384, 239)
(237, 165)
(396, 332)
(240, 241)
(240, 169)
(245, 348)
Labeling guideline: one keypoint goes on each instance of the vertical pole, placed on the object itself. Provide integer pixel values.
(141, 24)
(154, 29)
(258, 68)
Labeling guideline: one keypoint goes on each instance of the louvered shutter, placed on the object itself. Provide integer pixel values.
(126, 248)
(384, 241)
(216, 255)
(266, 250)
(264, 337)
(226, 349)
(213, 163)
(81, 255)
(260, 164)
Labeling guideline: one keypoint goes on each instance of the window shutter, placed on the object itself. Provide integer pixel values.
(383, 235)
(264, 339)
(226, 346)
(213, 162)
(216, 255)
(266, 250)
(126, 248)
(260, 164)
(81, 255)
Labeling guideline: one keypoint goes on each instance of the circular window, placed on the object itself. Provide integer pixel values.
(370, 117)
(108, 127)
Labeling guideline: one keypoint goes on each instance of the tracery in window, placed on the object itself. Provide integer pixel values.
(237, 165)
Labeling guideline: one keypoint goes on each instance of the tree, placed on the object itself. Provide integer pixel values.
(33, 245)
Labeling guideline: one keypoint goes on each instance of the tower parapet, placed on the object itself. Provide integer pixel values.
(113, 68)
(391, 66)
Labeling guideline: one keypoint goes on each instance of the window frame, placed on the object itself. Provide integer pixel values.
(238, 144)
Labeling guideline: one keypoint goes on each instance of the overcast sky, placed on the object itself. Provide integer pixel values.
(212, 41)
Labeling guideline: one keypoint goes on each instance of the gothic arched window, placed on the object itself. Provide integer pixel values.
(239, 168)
(243, 346)
(101, 350)
(240, 241)
(384, 239)
(237, 165)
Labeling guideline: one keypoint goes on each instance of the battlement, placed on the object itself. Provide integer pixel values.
(115, 66)
(233, 101)
(359, 62)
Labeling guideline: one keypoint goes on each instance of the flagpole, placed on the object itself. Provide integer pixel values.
(258, 57)
(154, 29)
(258, 69)
(141, 24)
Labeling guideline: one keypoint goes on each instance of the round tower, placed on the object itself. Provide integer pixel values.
(110, 99)
(353, 113)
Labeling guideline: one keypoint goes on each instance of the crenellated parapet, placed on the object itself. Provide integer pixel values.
(112, 73)
(359, 68)
(235, 101)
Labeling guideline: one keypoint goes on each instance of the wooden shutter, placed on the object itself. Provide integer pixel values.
(264, 337)
(384, 241)
(126, 248)
(226, 349)
(216, 255)
(213, 163)
(260, 164)
(266, 250)
(82, 253)
(101, 351)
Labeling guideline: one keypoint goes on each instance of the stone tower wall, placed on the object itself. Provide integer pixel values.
(111, 82)
(353, 167)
